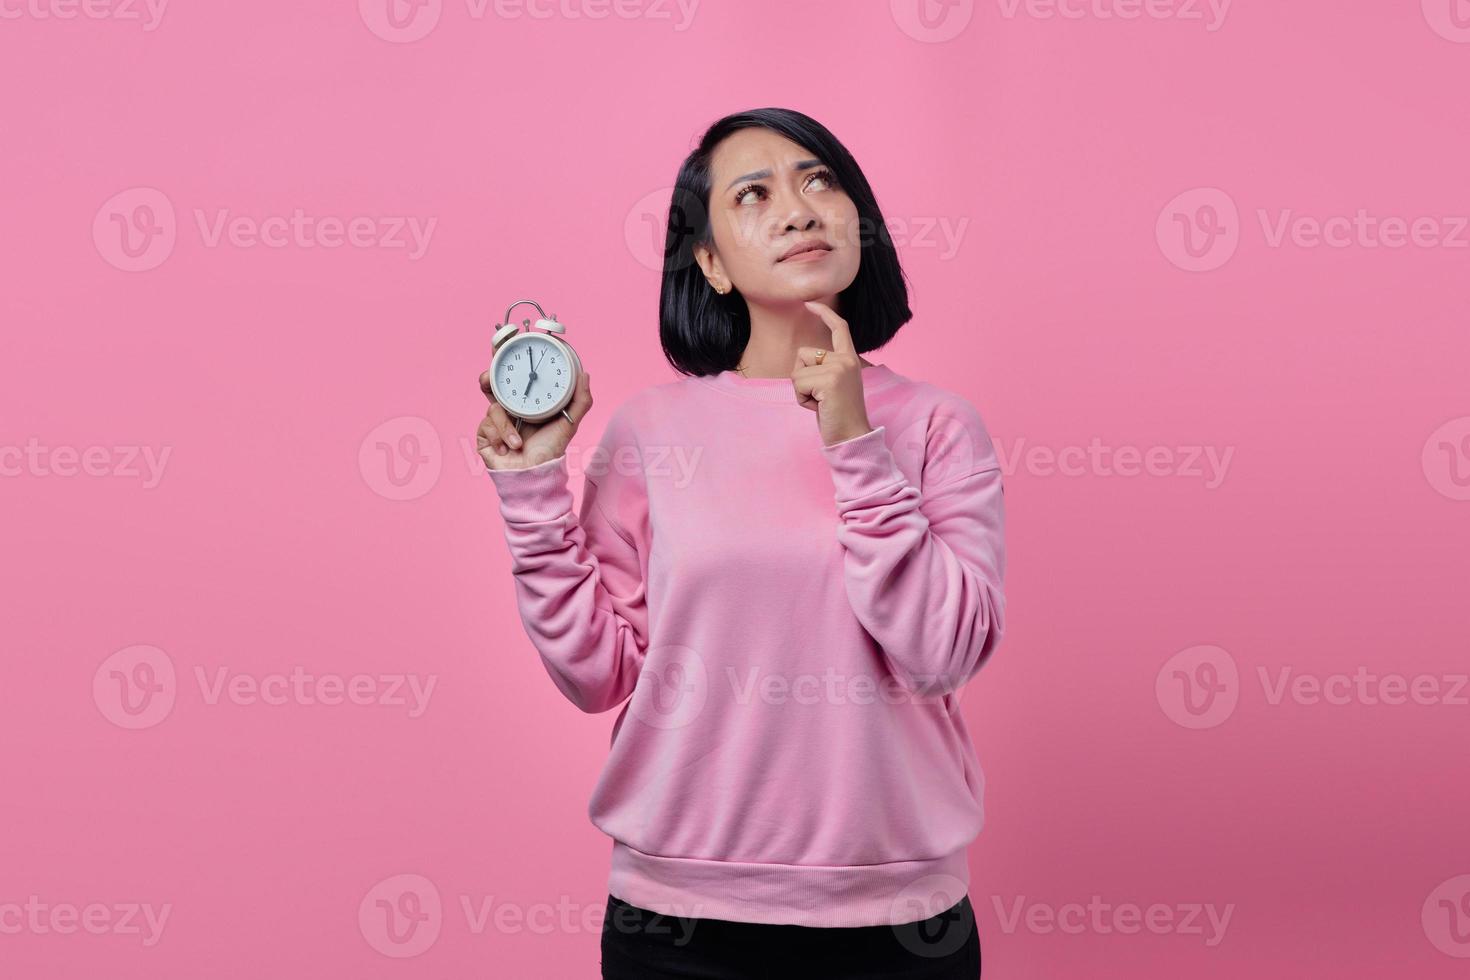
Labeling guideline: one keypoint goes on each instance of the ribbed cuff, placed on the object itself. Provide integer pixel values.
(862, 465)
(534, 494)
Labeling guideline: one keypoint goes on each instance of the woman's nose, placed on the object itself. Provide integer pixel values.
(801, 219)
(799, 215)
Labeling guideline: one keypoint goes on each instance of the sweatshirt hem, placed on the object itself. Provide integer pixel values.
(891, 893)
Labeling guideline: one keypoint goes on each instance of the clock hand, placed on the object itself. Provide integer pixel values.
(534, 375)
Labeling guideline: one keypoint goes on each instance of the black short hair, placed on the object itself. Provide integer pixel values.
(703, 332)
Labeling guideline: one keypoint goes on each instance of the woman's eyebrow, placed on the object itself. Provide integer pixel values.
(763, 174)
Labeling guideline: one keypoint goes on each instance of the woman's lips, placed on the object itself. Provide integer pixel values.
(810, 255)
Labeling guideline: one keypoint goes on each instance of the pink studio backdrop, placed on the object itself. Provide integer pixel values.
(1201, 266)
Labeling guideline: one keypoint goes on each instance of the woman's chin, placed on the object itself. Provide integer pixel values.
(802, 287)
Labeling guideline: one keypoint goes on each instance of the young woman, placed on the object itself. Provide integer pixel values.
(791, 558)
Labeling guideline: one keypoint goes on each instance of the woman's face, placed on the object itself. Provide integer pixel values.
(767, 195)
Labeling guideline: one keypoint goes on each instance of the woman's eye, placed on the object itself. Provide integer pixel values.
(825, 176)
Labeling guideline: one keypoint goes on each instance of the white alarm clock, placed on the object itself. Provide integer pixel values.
(534, 372)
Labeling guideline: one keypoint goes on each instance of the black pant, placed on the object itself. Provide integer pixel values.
(638, 944)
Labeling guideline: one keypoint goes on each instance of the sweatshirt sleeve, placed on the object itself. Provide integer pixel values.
(579, 578)
(924, 571)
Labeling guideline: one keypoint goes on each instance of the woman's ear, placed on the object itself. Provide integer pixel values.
(709, 264)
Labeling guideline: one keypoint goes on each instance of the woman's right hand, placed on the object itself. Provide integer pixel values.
(502, 448)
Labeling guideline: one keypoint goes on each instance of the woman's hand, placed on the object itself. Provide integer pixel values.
(502, 448)
(834, 388)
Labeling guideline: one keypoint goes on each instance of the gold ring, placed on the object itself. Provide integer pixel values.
(821, 354)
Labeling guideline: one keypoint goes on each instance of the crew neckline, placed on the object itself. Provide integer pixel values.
(875, 378)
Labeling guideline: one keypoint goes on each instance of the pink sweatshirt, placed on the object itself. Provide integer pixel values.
(793, 622)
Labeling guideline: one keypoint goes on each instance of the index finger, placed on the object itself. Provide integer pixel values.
(841, 336)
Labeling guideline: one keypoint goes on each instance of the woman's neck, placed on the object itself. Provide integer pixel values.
(776, 335)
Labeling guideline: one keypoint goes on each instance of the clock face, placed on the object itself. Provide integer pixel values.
(532, 375)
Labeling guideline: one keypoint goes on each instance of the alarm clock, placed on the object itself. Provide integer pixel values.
(534, 372)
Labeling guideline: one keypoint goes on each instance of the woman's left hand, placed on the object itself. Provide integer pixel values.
(834, 388)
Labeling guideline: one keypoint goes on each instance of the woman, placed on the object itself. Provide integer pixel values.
(791, 598)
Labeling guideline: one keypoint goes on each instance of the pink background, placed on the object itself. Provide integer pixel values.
(320, 506)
